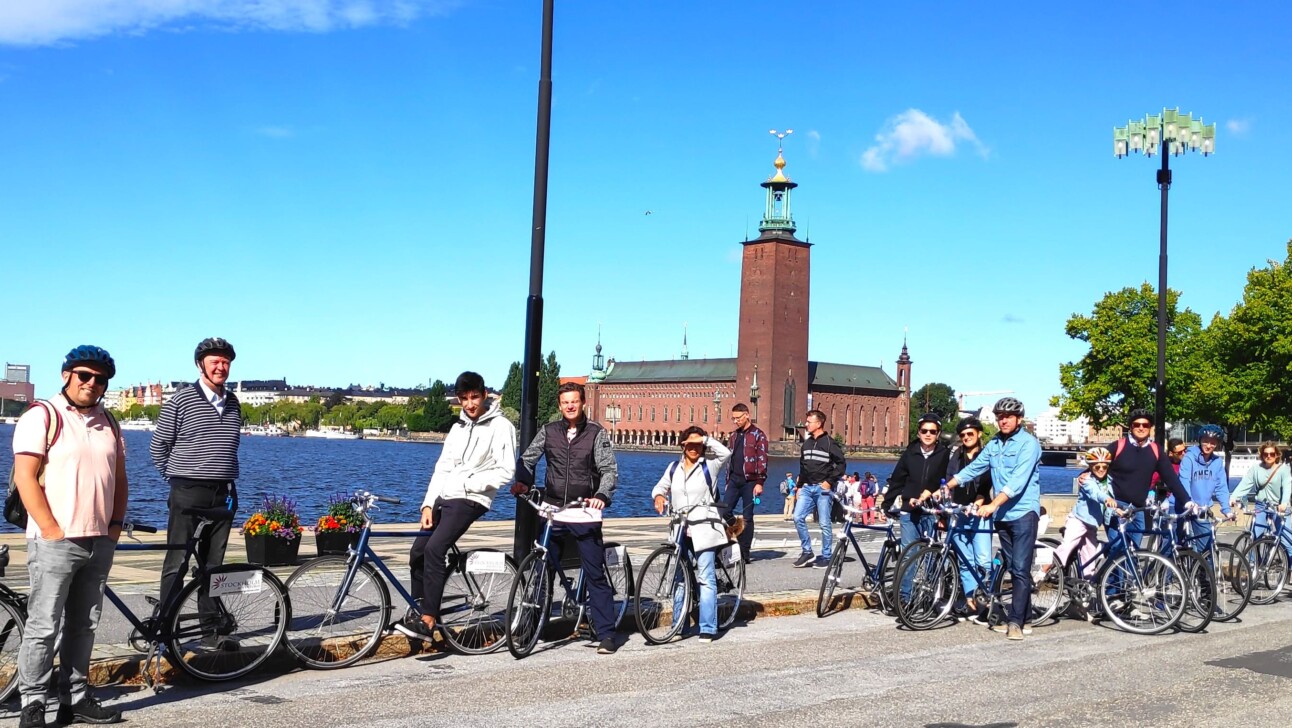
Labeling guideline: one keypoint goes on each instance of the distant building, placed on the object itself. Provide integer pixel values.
(1052, 428)
(257, 392)
(17, 373)
(651, 402)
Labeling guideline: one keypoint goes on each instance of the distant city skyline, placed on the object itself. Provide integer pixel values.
(347, 195)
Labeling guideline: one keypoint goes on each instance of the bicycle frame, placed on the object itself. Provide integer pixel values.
(874, 572)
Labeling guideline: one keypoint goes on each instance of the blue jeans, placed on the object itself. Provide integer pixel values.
(707, 579)
(1134, 529)
(1262, 524)
(592, 557)
(914, 527)
(977, 547)
(1018, 541)
(811, 497)
(742, 491)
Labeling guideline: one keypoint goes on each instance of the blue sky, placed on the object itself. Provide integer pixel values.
(343, 189)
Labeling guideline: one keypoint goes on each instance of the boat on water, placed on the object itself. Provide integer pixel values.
(332, 433)
(264, 431)
(140, 425)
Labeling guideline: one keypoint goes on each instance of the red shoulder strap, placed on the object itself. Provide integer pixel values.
(1117, 449)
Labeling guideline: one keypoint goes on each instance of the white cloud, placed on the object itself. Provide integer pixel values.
(47, 22)
(814, 143)
(912, 134)
(1239, 127)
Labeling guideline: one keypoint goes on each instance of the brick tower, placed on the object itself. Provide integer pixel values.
(774, 287)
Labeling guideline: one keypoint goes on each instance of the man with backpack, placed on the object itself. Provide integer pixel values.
(70, 474)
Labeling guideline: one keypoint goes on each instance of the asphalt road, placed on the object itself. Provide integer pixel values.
(853, 668)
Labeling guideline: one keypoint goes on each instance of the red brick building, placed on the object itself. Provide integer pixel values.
(651, 402)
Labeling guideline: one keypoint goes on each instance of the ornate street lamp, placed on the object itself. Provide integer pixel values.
(1172, 133)
(717, 410)
(612, 414)
(753, 393)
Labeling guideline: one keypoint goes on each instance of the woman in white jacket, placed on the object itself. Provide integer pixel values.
(479, 455)
(692, 483)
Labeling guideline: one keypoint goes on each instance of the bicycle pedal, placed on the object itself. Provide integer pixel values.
(152, 601)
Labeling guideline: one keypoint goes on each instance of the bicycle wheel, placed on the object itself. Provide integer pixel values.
(620, 576)
(663, 598)
(1048, 592)
(1243, 541)
(1269, 564)
(473, 612)
(1143, 595)
(1199, 591)
(12, 622)
(1233, 582)
(231, 633)
(830, 582)
(329, 629)
(731, 586)
(528, 604)
(886, 566)
(934, 584)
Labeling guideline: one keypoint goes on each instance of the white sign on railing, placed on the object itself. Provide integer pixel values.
(486, 562)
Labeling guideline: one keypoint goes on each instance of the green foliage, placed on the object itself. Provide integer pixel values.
(152, 412)
(511, 389)
(938, 398)
(391, 417)
(1253, 349)
(838, 440)
(1119, 371)
(417, 421)
(549, 380)
(439, 416)
(334, 399)
(512, 415)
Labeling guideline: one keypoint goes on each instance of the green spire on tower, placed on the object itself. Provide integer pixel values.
(777, 216)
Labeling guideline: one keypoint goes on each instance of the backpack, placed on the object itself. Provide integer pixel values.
(1121, 445)
(15, 511)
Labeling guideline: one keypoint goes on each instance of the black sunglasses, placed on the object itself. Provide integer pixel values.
(925, 431)
(84, 377)
(1141, 425)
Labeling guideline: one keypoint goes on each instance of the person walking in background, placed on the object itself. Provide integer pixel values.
(74, 519)
(869, 490)
(746, 473)
(787, 490)
(821, 466)
(478, 457)
(195, 447)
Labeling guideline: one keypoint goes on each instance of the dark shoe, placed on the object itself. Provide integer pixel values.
(87, 710)
(33, 716)
(820, 563)
(608, 646)
(706, 637)
(218, 642)
(805, 559)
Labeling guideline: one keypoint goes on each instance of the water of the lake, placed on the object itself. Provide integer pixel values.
(309, 470)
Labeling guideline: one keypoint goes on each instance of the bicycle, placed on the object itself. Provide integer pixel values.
(876, 579)
(667, 587)
(1200, 591)
(342, 604)
(934, 570)
(529, 606)
(1142, 592)
(1233, 573)
(220, 625)
(1267, 556)
(13, 618)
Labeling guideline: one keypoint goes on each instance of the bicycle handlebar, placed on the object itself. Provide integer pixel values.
(548, 510)
(140, 527)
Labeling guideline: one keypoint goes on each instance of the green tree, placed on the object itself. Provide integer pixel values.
(938, 398)
(248, 413)
(511, 388)
(549, 381)
(417, 421)
(391, 417)
(135, 411)
(512, 415)
(439, 415)
(152, 411)
(1119, 371)
(334, 399)
(1253, 350)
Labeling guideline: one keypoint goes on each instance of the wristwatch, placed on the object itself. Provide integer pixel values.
(115, 523)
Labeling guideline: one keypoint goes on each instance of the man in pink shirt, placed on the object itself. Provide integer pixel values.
(70, 470)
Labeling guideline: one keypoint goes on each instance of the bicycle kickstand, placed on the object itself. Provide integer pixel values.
(152, 669)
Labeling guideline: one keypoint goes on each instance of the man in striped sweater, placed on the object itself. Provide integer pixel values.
(195, 447)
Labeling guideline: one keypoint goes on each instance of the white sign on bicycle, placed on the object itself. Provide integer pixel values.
(616, 555)
(731, 554)
(226, 583)
(486, 562)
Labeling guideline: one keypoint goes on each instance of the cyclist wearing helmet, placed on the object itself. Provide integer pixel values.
(1014, 459)
(70, 471)
(195, 447)
(917, 475)
(1202, 473)
(1092, 510)
(975, 491)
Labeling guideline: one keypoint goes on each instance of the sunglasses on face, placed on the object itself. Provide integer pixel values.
(1141, 425)
(1269, 454)
(926, 431)
(691, 445)
(968, 434)
(100, 380)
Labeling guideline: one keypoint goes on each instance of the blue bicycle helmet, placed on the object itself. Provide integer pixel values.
(1215, 431)
(86, 354)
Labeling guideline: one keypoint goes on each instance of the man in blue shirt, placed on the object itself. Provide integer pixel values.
(1014, 457)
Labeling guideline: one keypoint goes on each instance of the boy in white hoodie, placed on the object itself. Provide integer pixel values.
(479, 455)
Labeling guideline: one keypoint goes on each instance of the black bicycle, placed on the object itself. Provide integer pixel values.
(875, 579)
(13, 616)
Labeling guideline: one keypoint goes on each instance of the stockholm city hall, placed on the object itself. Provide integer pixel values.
(652, 402)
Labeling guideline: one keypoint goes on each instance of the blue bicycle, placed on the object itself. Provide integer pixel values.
(876, 579)
(1267, 554)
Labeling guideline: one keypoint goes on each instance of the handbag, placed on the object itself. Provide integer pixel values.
(15, 511)
(706, 527)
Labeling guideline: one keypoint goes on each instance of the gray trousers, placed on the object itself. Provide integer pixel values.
(67, 582)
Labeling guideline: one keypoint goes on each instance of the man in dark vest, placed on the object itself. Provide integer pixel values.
(746, 472)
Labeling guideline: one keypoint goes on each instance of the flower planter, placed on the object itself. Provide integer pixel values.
(335, 543)
(272, 550)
